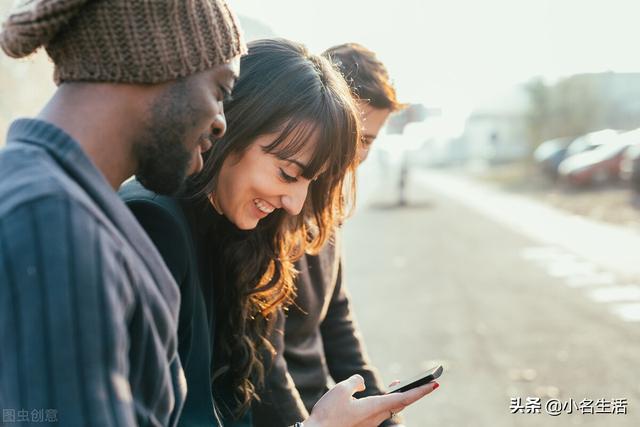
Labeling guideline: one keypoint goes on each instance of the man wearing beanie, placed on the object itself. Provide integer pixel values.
(318, 340)
(88, 310)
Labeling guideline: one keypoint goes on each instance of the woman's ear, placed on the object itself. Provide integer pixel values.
(214, 203)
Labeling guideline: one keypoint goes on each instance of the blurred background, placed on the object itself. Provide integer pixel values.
(500, 210)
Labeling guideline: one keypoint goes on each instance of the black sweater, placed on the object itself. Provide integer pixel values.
(317, 341)
(185, 237)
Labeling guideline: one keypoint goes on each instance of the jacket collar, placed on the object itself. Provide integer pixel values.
(69, 156)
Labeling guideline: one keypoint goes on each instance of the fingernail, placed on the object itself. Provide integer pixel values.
(435, 385)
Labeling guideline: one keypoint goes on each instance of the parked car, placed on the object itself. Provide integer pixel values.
(600, 164)
(630, 167)
(578, 145)
(590, 141)
(550, 153)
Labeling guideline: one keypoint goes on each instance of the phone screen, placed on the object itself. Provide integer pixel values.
(417, 381)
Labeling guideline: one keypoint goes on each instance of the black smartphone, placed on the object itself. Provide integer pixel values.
(417, 381)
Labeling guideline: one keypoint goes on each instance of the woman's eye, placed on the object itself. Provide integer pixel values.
(287, 178)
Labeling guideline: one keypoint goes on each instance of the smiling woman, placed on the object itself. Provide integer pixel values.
(256, 183)
(271, 188)
(292, 104)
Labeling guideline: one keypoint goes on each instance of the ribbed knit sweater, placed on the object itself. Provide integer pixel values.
(88, 310)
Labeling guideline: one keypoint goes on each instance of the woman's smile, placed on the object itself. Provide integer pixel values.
(264, 208)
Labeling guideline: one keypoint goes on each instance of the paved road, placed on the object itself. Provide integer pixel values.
(508, 316)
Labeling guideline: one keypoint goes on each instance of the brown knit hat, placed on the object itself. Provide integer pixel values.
(125, 41)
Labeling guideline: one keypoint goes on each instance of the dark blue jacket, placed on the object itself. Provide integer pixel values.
(88, 310)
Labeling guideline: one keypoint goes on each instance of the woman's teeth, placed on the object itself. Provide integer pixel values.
(264, 206)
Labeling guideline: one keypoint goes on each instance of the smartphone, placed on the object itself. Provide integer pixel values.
(417, 381)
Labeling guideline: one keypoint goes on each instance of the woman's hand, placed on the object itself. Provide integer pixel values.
(338, 408)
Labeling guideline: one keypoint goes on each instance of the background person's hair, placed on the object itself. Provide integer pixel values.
(300, 98)
(366, 75)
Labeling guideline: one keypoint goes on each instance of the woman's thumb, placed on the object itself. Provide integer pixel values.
(355, 383)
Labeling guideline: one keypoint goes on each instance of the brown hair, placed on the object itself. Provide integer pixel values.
(366, 75)
(283, 90)
(124, 41)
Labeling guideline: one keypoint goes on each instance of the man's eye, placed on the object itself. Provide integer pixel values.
(226, 95)
(287, 178)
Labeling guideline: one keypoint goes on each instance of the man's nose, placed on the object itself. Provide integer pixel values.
(293, 201)
(219, 126)
(363, 153)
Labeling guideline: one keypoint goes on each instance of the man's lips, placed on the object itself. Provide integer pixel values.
(205, 144)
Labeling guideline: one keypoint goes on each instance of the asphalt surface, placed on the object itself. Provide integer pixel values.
(438, 282)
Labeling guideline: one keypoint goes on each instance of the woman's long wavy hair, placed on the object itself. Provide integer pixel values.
(286, 91)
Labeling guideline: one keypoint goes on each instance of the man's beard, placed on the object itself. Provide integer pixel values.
(163, 160)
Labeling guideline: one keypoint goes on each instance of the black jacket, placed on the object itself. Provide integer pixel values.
(186, 239)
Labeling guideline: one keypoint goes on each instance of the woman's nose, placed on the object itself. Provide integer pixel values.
(363, 152)
(293, 202)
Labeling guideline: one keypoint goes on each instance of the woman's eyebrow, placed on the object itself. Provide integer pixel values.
(298, 163)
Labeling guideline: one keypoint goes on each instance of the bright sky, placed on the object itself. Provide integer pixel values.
(459, 53)
(452, 54)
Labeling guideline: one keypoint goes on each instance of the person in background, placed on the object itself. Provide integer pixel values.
(88, 313)
(270, 188)
(318, 339)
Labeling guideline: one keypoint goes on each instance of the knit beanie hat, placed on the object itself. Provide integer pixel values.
(125, 41)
